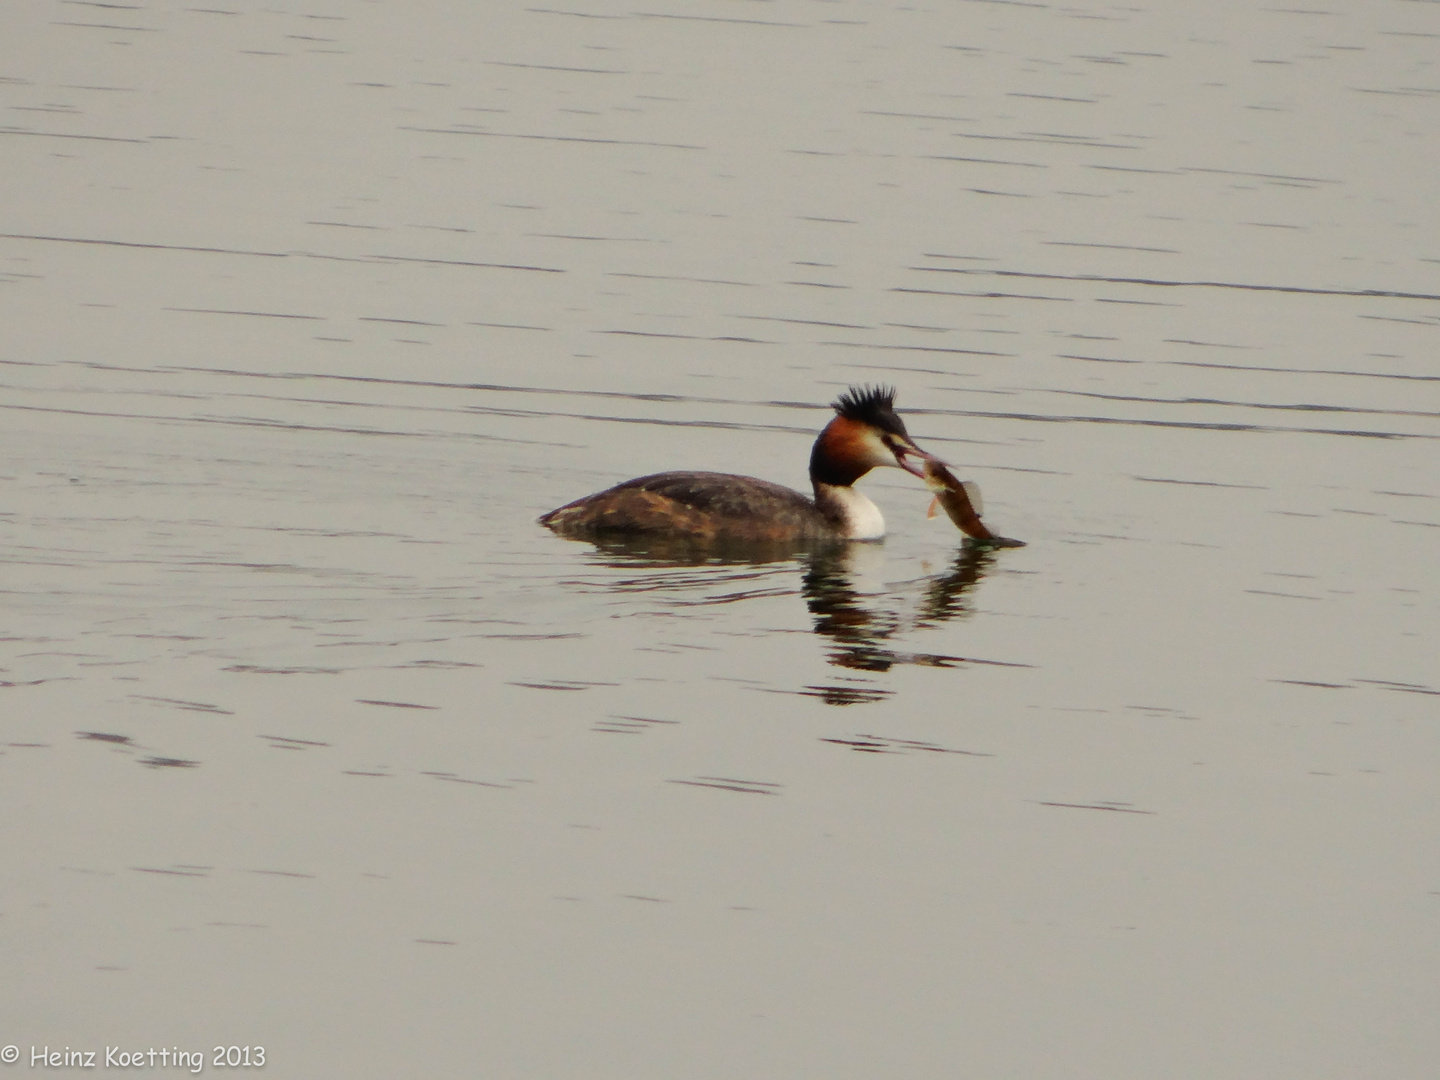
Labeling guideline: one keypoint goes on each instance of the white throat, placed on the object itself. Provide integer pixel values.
(861, 518)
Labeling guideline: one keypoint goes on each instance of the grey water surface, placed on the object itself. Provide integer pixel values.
(312, 739)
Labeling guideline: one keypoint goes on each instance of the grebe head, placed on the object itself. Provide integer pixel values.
(865, 434)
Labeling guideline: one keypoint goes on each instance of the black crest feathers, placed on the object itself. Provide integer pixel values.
(873, 405)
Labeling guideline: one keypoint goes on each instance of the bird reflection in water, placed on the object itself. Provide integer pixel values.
(862, 626)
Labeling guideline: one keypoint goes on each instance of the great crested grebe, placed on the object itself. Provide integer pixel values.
(864, 434)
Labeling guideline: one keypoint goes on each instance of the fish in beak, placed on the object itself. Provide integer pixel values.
(911, 458)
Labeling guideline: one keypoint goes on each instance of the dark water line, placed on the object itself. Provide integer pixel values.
(1245, 404)
(280, 254)
(552, 138)
(500, 388)
(236, 421)
(1163, 283)
(1304, 371)
(135, 244)
(1195, 425)
(279, 425)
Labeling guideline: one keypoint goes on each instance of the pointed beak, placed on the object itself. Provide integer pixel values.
(912, 459)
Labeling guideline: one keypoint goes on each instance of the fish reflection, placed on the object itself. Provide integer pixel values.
(861, 627)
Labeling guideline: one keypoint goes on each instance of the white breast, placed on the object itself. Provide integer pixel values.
(863, 520)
